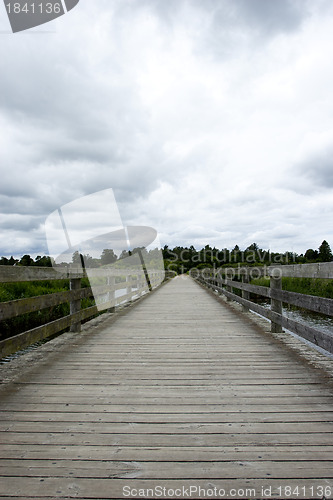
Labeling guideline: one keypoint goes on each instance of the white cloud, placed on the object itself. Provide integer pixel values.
(211, 120)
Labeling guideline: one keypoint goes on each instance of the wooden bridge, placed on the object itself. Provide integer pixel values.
(180, 396)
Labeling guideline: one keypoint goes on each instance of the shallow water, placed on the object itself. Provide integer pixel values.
(319, 321)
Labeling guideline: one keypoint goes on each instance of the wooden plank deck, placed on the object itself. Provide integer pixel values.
(179, 393)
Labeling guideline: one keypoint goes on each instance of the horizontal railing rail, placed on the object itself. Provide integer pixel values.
(223, 281)
(134, 284)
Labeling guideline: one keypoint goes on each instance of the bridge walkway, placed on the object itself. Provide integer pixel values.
(179, 393)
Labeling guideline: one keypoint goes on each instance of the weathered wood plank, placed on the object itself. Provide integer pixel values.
(86, 488)
(179, 391)
(253, 469)
(323, 270)
(172, 392)
(317, 337)
(257, 289)
(14, 344)
(167, 453)
(131, 416)
(282, 407)
(160, 439)
(175, 400)
(14, 308)
(314, 303)
(311, 302)
(205, 381)
(161, 428)
(25, 339)
(12, 274)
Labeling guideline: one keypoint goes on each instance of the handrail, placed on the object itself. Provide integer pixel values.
(222, 281)
(133, 282)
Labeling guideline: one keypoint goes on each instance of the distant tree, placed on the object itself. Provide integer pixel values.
(141, 250)
(235, 254)
(93, 262)
(81, 260)
(252, 253)
(108, 256)
(88, 261)
(155, 252)
(167, 253)
(76, 257)
(291, 257)
(206, 255)
(311, 255)
(325, 252)
(26, 260)
(203, 265)
(44, 261)
(254, 247)
(301, 259)
(223, 256)
(4, 261)
(124, 254)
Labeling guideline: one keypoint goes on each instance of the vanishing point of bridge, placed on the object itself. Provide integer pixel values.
(179, 397)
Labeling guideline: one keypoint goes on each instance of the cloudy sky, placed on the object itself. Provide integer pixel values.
(211, 120)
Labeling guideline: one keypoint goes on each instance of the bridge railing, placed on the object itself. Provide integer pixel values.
(133, 284)
(226, 280)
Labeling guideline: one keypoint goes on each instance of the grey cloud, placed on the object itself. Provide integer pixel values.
(65, 116)
(37, 245)
(265, 16)
(66, 109)
(79, 128)
(271, 17)
(166, 11)
(318, 169)
(21, 223)
(78, 117)
(10, 188)
(241, 25)
(10, 204)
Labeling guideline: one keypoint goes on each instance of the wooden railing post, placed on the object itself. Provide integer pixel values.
(151, 280)
(276, 305)
(229, 288)
(75, 305)
(111, 281)
(129, 286)
(245, 293)
(139, 285)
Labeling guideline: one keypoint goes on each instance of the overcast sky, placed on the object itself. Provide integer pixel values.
(212, 120)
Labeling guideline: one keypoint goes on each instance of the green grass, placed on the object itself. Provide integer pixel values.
(308, 286)
(14, 291)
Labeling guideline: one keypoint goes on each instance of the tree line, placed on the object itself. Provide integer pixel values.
(108, 256)
(182, 259)
(26, 260)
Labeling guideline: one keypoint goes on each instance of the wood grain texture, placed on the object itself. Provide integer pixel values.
(179, 392)
(134, 284)
(317, 337)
